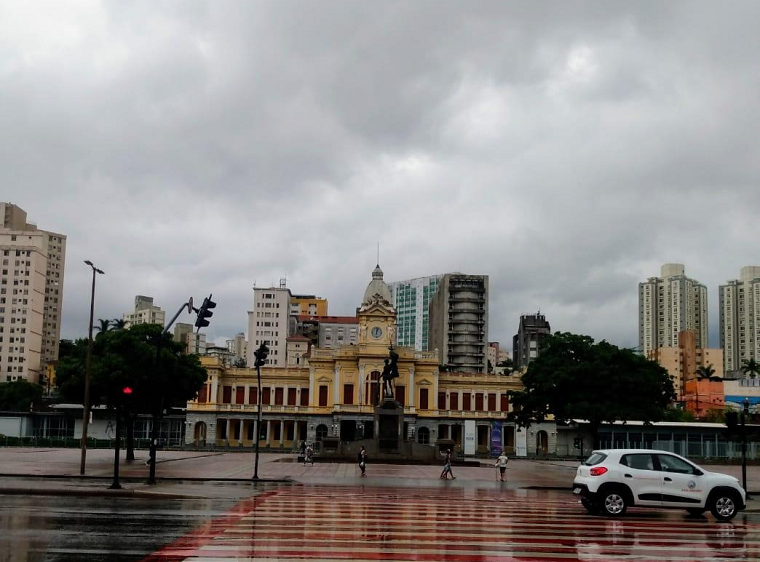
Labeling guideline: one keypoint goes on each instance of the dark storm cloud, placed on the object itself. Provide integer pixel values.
(565, 149)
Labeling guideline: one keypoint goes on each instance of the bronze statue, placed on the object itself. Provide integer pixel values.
(390, 372)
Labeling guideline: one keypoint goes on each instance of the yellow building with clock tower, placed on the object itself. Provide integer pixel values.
(331, 396)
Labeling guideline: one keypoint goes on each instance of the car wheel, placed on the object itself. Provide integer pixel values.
(695, 511)
(724, 506)
(590, 506)
(613, 502)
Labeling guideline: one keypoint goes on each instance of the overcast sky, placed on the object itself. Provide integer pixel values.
(565, 149)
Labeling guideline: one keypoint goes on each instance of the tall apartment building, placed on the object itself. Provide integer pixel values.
(145, 312)
(31, 296)
(669, 305)
(739, 321)
(458, 319)
(238, 347)
(196, 343)
(526, 343)
(412, 300)
(269, 322)
(308, 305)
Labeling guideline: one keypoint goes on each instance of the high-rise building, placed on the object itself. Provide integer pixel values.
(196, 343)
(269, 322)
(739, 320)
(308, 305)
(31, 296)
(412, 300)
(145, 312)
(238, 347)
(458, 320)
(526, 343)
(669, 305)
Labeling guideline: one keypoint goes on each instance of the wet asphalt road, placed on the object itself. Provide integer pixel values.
(90, 529)
(287, 522)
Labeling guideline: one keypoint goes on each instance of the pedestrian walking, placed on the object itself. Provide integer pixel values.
(447, 466)
(362, 457)
(501, 463)
(309, 457)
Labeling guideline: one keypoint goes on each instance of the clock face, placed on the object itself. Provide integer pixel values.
(376, 332)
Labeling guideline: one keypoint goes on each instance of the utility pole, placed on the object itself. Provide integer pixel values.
(87, 370)
(745, 413)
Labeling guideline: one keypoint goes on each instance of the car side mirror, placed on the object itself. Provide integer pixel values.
(697, 472)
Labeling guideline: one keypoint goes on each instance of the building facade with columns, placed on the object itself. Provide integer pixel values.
(333, 393)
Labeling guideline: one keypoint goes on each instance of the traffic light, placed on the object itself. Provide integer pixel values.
(204, 312)
(261, 355)
(577, 442)
(127, 390)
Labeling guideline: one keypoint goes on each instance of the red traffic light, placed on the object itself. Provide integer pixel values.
(126, 390)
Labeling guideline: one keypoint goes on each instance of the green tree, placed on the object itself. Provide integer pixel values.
(575, 378)
(131, 358)
(750, 368)
(118, 324)
(65, 348)
(508, 365)
(19, 395)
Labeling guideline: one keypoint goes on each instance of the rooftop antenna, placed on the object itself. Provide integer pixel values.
(378, 252)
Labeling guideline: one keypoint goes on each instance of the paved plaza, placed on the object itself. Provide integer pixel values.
(205, 508)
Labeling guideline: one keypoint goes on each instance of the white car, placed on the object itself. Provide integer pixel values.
(612, 480)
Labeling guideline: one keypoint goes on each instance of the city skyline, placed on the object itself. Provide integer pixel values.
(567, 153)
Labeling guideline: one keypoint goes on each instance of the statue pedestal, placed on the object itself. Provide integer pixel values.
(389, 424)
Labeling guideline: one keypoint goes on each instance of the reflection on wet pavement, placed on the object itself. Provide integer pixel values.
(297, 522)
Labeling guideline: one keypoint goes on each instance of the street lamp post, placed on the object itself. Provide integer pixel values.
(745, 413)
(88, 363)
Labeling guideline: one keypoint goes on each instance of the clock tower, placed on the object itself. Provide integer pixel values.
(377, 317)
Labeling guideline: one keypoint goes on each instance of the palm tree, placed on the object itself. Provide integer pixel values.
(118, 324)
(104, 326)
(750, 368)
(704, 372)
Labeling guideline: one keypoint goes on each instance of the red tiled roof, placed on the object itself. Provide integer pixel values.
(329, 319)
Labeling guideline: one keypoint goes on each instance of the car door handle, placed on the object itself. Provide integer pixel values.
(628, 476)
(667, 479)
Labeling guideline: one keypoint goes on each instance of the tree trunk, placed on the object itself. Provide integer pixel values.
(594, 427)
(130, 418)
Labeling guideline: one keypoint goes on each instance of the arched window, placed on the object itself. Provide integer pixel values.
(372, 388)
(423, 436)
(542, 443)
(321, 432)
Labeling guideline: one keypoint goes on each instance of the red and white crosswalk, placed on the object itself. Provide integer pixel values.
(450, 524)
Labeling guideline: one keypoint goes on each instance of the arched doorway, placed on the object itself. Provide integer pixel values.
(199, 434)
(321, 432)
(423, 436)
(542, 443)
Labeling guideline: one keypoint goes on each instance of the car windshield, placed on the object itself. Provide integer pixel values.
(595, 458)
